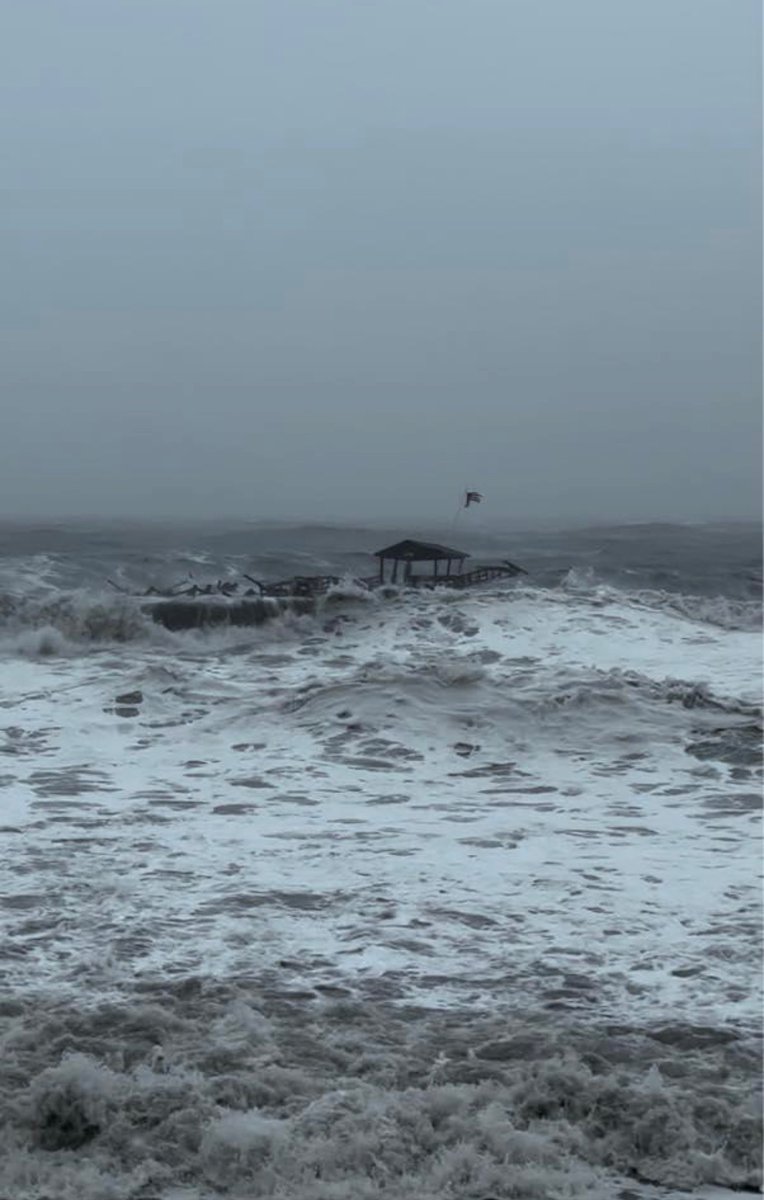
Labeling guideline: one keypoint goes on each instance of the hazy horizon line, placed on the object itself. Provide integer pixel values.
(525, 521)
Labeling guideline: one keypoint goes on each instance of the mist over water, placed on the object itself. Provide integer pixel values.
(420, 895)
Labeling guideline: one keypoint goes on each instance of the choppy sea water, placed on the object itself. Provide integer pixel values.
(427, 895)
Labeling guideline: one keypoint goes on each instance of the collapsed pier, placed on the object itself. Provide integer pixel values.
(189, 605)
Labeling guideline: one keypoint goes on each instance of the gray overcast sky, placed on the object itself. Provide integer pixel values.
(342, 258)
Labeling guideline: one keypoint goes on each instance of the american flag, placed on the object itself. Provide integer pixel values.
(472, 498)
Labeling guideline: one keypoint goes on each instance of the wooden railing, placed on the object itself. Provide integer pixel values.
(302, 585)
(466, 579)
(319, 585)
(484, 575)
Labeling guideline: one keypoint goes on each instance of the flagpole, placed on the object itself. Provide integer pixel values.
(468, 497)
(458, 511)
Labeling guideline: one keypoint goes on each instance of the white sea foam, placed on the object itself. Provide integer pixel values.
(725, 611)
(255, 881)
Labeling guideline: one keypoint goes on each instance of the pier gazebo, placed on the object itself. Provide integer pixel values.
(409, 552)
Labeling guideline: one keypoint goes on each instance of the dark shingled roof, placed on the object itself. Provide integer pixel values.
(413, 551)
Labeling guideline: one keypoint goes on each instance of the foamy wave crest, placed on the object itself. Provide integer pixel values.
(39, 626)
(605, 685)
(349, 589)
(722, 611)
(43, 625)
(45, 641)
(725, 612)
(614, 704)
(349, 1100)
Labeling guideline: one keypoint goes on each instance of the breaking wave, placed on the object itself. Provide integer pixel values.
(51, 621)
(234, 1089)
(724, 612)
(66, 623)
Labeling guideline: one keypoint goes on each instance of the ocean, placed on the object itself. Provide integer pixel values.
(433, 895)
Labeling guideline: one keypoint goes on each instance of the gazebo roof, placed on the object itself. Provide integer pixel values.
(412, 551)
